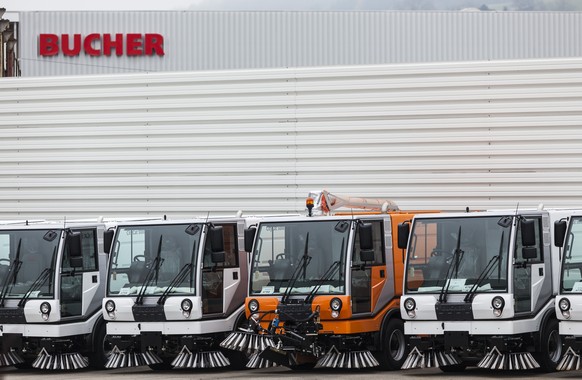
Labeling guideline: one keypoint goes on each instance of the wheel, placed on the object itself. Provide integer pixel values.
(550, 348)
(163, 366)
(101, 348)
(303, 366)
(25, 365)
(238, 360)
(453, 368)
(394, 349)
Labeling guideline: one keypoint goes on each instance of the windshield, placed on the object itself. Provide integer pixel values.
(35, 255)
(572, 263)
(308, 248)
(135, 248)
(458, 251)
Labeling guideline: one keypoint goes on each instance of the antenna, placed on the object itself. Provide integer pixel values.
(516, 208)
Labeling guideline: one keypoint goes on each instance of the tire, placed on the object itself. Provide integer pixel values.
(163, 366)
(238, 360)
(303, 366)
(550, 347)
(453, 368)
(101, 349)
(394, 348)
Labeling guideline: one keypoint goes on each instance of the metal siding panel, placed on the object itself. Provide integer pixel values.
(248, 40)
(442, 135)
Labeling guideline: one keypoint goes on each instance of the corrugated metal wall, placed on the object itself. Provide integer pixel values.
(247, 40)
(482, 134)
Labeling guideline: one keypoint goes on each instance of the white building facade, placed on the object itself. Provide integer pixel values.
(88, 43)
(435, 135)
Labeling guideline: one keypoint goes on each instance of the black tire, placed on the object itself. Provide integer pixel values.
(453, 368)
(163, 366)
(303, 367)
(100, 350)
(24, 365)
(394, 347)
(550, 347)
(238, 360)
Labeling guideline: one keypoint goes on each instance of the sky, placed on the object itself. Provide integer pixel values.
(236, 5)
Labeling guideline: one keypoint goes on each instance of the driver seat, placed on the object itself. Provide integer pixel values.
(137, 272)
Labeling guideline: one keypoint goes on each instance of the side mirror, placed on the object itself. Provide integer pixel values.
(366, 237)
(528, 232)
(250, 238)
(108, 240)
(367, 255)
(403, 233)
(75, 249)
(560, 227)
(216, 238)
(529, 253)
(217, 257)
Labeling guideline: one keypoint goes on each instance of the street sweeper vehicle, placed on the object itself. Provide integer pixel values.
(479, 290)
(175, 289)
(52, 278)
(568, 236)
(324, 290)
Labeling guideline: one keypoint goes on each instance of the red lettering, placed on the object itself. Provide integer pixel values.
(154, 43)
(116, 44)
(88, 44)
(96, 44)
(76, 45)
(48, 45)
(134, 44)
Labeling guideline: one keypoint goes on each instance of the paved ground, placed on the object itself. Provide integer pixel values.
(280, 373)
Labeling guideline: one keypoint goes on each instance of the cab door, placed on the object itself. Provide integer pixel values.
(368, 277)
(218, 277)
(79, 276)
(529, 270)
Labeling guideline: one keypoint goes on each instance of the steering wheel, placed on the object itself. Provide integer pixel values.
(439, 252)
(137, 258)
(7, 260)
(280, 256)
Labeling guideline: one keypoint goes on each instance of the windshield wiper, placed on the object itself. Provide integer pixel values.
(329, 273)
(154, 268)
(453, 268)
(486, 272)
(40, 280)
(186, 269)
(303, 263)
(12, 273)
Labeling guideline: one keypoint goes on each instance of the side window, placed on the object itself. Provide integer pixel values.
(229, 232)
(536, 249)
(378, 234)
(89, 249)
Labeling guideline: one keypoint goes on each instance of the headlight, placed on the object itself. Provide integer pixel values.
(186, 305)
(335, 304)
(253, 306)
(45, 308)
(564, 304)
(110, 306)
(409, 304)
(498, 303)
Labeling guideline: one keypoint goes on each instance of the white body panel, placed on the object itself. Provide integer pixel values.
(174, 327)
(51, 330)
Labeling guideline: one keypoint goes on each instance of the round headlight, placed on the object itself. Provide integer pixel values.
(253, 306)
(564, 304)
(110, 306)
(409, 304)
(45, 307)
(498, 303)
(186, 305)
(335, 304)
